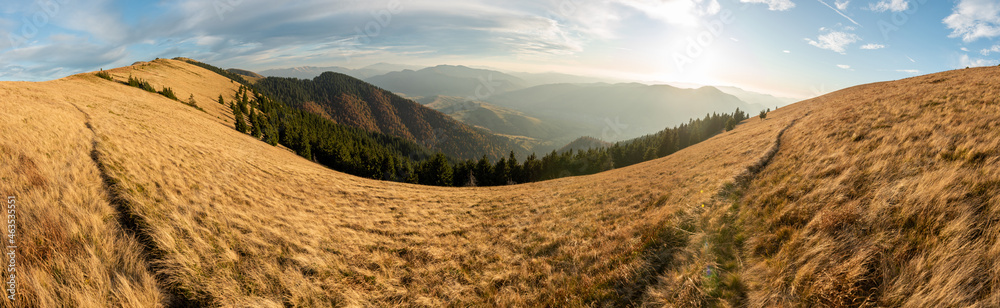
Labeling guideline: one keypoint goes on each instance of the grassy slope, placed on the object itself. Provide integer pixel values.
(886, 195)
(234, 222)
(71, 252)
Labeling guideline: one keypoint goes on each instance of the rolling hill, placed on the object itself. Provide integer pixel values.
(350, 101)
(879, 195)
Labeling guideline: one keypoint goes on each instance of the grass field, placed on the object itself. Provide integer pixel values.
(880, 194)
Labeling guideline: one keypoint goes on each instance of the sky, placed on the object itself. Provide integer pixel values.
(792, 48)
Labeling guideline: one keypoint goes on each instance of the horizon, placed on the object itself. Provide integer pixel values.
(785, 48)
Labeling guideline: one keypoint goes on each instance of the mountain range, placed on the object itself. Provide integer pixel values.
(448, 80)
(310, 72)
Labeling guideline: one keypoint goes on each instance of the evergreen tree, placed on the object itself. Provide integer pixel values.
(514, 170)
(255, 129)
(731, 124)
(436, 171)
(501, 175)
(484, 172)
(241, 126)
(221, 101)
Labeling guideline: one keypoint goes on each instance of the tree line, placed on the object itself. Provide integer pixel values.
(583, 162)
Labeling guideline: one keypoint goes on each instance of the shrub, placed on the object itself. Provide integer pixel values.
(763, 114)
(141, 84)
(105, 75)
(169, 93)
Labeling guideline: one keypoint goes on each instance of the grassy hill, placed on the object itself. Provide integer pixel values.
(879, 194)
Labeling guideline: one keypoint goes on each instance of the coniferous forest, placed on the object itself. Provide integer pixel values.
(375, 155)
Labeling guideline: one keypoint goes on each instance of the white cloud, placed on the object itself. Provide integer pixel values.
(842, 4)
(786, 51)
(844, 66)
(774, 5)
(679, 12)
(914, 72)
(994, 49)
(872, 46)
(964, 49)
(965, 61)
(974, 19)
(890, 5)
(834, 40)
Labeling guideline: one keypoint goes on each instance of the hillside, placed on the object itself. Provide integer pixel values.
(350, 101)
(615, 112)
(879, 195)
(448, 80)
(542, 134)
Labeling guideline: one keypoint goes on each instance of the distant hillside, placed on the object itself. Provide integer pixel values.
(545, 134)
(584, 143)
(353, 102)
(615, 112)
(448, 80)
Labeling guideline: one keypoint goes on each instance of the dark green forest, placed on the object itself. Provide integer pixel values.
(380, 156)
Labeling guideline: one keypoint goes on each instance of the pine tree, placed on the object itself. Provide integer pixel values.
(255, 120)
(221, 101)
(241, 126)
(513, 170)
(731, 124)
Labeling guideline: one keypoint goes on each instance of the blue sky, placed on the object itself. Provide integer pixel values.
(797, 48)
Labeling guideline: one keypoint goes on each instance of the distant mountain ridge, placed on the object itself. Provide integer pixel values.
(310, 72)
(448, 80)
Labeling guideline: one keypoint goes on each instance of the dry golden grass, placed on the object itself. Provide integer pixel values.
(886, 195)
(880, 194)
(71, 252)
